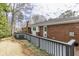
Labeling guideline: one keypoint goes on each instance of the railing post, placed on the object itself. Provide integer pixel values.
(70, 48)
(24, 36)
(30, 38)
(17, 36)
(39, 42)
(67, 51)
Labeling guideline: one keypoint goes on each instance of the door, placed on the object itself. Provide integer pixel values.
(34, 31)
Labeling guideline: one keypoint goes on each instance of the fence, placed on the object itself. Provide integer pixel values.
(53, 47)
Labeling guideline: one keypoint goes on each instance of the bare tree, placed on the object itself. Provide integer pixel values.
(37, 18)
(67, 13)
(16, 10)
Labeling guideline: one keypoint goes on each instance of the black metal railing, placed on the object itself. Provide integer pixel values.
(53, 47)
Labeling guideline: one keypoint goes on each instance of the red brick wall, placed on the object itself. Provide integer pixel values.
(61, 32)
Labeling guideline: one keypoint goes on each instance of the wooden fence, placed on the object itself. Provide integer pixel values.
(53, 47)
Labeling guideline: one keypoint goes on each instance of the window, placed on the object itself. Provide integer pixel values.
(34, 28)
(45, 28)
(71, 34)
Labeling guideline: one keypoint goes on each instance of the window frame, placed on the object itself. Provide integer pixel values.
(34, 28)
(71, 34)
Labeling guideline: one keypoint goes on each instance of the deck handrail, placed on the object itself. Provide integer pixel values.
(65, 48)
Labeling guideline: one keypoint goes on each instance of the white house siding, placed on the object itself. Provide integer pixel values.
(34, 32)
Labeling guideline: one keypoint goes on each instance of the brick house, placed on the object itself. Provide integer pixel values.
(62, 29)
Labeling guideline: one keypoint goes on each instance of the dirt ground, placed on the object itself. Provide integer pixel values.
(8, 47)
(13, 47)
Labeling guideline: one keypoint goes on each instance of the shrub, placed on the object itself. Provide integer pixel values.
(4, 27)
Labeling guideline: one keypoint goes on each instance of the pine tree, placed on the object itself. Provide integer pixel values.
(4, 25)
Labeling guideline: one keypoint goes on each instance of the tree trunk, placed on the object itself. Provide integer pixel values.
(13, 29)
(27, 27)
(12, 25)
(13, 21)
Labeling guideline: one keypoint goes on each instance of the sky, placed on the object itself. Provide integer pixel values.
(53, 10)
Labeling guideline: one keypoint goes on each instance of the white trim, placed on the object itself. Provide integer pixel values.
(44, 32)
(71, 42)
